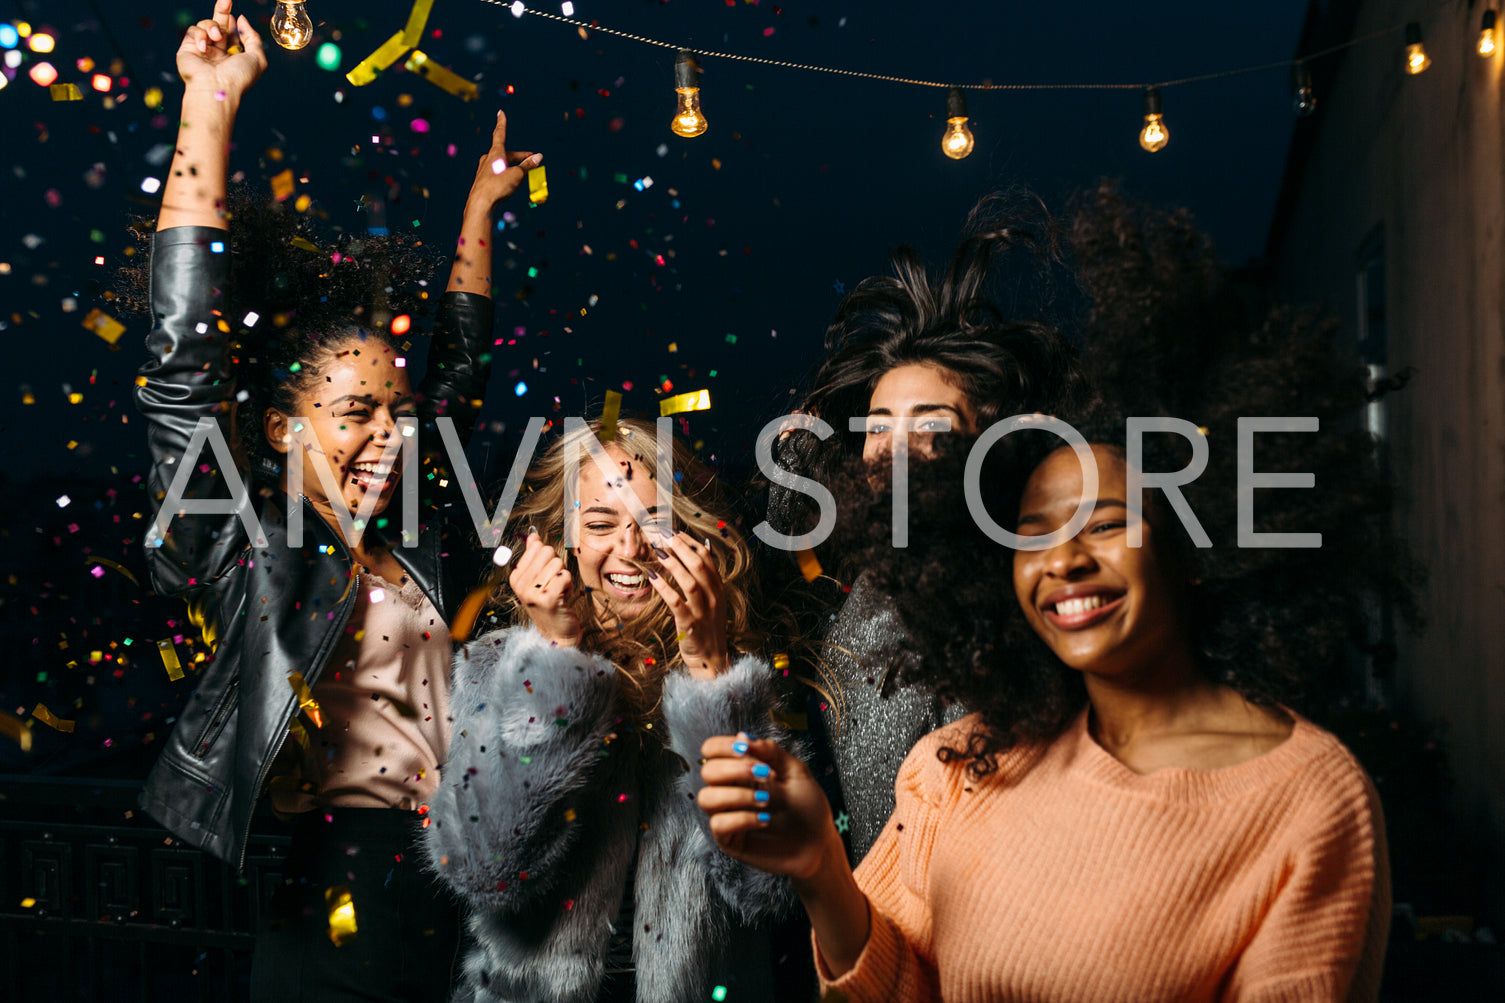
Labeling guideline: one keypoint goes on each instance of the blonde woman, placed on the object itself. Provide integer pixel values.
(566, 818)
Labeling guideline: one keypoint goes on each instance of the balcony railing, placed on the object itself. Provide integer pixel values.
(97, 902)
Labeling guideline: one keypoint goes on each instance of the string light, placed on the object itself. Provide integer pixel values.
(291, 26)
(688, 120)
(1487, 44)
(1304, 101)
(1154, 135)
(958, 140)
(1417, 59)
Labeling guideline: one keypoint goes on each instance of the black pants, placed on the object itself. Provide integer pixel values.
(407, 927)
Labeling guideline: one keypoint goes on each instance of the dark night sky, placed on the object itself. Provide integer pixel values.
(819, 175)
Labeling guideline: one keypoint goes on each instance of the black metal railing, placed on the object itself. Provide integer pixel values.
(98, 903)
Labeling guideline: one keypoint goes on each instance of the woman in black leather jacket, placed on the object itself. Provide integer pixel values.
(292, 655)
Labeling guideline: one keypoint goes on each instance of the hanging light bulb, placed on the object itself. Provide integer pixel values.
(958, 140)
(688, 120)
(1417, 59)
(1487, 43)
(291, 26)
(1154, 135)
(1304, 99)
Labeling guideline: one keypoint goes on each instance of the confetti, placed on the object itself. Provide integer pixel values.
(809, 566)
(47, 717)
(341, 914)
(66, 92)
(16, 730)
(538, 185)
(104, 325)
(328, 57)
(115, 566)
(412, 32)
(441, 76)
(282, 185)
(300, 243)
(501, 556)
(306, 701)
(388, 53)
(610, 411)
(170, 659)
(695, 400)
(465, 617)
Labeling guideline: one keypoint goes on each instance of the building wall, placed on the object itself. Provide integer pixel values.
(1424, 158)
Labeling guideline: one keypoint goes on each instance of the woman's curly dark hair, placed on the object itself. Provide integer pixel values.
(987, 323)
(311, 299)
(1169, 336)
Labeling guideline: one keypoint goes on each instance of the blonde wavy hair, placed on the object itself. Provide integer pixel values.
(645, 646)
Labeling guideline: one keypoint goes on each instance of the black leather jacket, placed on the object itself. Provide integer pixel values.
(266, 611)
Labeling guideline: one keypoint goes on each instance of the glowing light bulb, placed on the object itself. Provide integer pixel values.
(1417, 59)
(1154, 135)
(1304, 99)
(1487, 43)
(291, 26)
(688, 119)
(958, 140)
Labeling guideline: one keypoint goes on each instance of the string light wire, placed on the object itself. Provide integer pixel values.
(838, 71)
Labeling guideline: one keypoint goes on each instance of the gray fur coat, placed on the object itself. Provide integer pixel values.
(543, 807)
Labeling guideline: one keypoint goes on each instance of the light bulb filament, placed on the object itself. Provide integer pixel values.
(688, 120)
(958, 141)
(291, 26)
(1154, 135)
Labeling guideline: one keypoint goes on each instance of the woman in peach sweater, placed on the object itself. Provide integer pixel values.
(1134, 812)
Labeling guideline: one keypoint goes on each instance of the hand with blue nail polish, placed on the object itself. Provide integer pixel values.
(765, 807)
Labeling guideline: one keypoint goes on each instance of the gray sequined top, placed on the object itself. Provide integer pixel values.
(870, 734)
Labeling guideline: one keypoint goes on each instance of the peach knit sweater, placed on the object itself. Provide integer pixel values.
(1066, 876)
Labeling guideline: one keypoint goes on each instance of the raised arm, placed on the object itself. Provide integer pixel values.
(459, 363)
(219, 60)
(186, 377)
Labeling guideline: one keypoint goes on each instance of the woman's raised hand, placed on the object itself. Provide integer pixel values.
(765, 807)
(546, 588)
(500, 172)
(698, 604)
(222, 54)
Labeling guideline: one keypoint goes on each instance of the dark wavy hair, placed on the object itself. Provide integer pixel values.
(1168, 335)
(313, 298)
(986, 319)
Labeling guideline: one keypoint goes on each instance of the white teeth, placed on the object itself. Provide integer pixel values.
(374, 469)
(626, 581)
(1067, 607)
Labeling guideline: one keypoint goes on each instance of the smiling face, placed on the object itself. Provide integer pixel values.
(917, 392)
(611, 541)
(352, 411)
(1103, 607)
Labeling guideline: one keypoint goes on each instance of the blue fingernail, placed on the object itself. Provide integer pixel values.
(760, 796)
(762, 771)
(763, 817)
(740, 748)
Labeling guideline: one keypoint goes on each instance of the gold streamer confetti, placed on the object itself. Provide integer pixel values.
(305, 245)
(114, 566)
(695, 400)
(465, 617)
(306, 701)
(47, 717)
(16, 730)
(386, 54)
(610, 411)
(170, 659)
(341, 914)
(538, 187)
(441, 76)
(104, 325)
(418, 17)
(66, 92)
(809, 566)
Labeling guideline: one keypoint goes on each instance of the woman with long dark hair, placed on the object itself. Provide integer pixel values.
(914, 356)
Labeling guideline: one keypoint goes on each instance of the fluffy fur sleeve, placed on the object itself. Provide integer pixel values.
(740, 699)
(529, 719)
